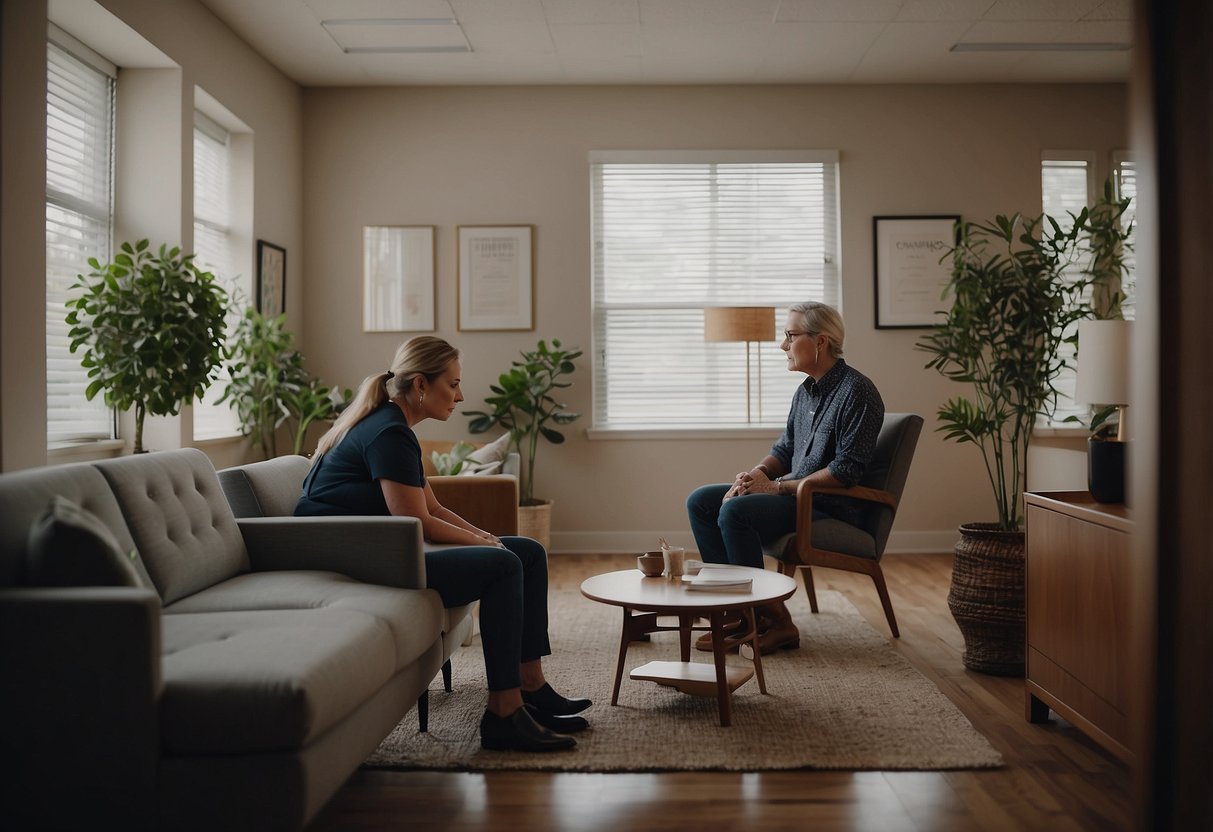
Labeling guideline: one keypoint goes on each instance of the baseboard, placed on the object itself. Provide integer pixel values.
(578, 543)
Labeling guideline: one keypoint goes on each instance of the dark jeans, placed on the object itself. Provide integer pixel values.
(512, 587)
(734, 532)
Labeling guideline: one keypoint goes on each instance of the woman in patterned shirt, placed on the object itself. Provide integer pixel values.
(829, 440)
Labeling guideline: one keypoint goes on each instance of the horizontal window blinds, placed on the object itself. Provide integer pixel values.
(212, 249)
(79, 145)
(671, 238)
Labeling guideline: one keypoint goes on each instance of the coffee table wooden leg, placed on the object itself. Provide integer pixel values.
(625, 637)
(722, 682)
(684, 635)
(762, 682)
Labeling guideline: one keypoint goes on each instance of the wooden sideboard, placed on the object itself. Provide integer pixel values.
(1078, 576)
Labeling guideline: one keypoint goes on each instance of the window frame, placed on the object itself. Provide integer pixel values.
(831, 243)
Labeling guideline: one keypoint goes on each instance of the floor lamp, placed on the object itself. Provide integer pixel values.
(741, 323)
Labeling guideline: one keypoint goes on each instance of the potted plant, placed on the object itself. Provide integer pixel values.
(522, 403)
(269, 385)
(1015, 295)
(152, 327)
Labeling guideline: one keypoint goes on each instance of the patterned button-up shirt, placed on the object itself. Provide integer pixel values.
(833, 423)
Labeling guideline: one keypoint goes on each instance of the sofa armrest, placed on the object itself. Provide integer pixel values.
(80, 683)
(374, 550)
(489, 502)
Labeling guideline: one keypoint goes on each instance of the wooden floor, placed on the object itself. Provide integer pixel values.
(1055, 778)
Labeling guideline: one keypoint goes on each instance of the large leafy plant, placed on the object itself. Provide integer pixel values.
(270, 386)
(152, 326)
(522, 403)
(1012, 302)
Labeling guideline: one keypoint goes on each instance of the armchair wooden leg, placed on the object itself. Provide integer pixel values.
(446, 675)
(808, 587)
(883, 592)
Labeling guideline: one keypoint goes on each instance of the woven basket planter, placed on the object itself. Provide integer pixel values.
(987, 598)
(536, 522)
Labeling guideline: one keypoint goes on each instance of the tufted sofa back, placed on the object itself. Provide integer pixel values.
(178, 519)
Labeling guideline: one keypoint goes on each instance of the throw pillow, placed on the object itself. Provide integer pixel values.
(470, 468)
(495, 451)
(70, 546)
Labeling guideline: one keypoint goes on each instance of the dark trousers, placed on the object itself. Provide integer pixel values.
(734, 532)
(512, 587)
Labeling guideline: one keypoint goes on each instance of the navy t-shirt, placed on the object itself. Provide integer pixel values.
(346, 479)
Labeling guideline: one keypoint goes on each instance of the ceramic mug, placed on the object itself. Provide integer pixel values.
(675, 560)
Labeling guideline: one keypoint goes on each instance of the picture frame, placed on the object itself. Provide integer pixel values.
(910, 278)
(398, 278)
(495, 264)
(271, 279)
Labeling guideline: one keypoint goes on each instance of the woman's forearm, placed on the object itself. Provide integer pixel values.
(438, 530)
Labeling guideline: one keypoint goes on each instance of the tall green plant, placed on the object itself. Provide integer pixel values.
(152, 327)
(1011, 304)
(270, 386)
(522, 404)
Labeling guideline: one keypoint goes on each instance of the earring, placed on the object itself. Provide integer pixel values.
(816, 353)
(421, 400)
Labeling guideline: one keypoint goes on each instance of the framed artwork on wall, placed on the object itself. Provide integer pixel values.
(910, 277)
(398, 278)
(271, 279)
(496, 277)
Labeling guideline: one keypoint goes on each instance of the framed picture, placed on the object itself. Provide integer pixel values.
(496, 276)
(911, 274)
(398, 278)
(271, 279)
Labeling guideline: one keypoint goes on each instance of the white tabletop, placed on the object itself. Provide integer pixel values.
(630, 588)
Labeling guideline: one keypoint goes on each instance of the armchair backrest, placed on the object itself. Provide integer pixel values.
(889, 468)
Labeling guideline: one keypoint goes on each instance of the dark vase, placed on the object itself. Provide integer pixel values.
(987, 598)
(1106, 470)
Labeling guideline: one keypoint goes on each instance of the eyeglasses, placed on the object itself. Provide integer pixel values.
(790, 335)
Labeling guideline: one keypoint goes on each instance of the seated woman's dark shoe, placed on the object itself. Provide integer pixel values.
(559, 724)
(550, 702)
(519, 732)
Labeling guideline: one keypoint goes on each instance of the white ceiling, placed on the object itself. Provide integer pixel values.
(318, 42)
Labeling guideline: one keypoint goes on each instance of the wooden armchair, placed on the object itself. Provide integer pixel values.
(838, 545)
(489, 501)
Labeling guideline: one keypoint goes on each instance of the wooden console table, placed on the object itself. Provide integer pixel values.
(1078, 581)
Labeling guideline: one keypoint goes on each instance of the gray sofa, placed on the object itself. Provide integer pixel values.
(271, 488)
(260, 661)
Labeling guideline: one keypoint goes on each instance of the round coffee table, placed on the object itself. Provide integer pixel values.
(644, 599)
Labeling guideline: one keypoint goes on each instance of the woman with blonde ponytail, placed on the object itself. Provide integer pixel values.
(369, 462)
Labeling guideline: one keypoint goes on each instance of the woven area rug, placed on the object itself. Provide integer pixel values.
(845, 700)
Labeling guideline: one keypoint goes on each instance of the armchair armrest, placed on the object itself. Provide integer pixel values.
(804, 502)
(489, 502)
(82, 677)
(375, 550)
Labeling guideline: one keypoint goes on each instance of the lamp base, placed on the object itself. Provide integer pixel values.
(1106, 470)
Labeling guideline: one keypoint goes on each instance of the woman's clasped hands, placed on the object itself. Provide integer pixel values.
(751, 482)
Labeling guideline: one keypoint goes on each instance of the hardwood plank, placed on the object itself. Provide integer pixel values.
(1055, 778)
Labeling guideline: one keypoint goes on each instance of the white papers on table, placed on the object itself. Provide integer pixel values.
(719, 579)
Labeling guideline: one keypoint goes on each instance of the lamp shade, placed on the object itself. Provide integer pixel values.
(1103, 362)
(738, 323)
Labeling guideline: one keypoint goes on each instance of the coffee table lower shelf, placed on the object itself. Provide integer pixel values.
(695, 678)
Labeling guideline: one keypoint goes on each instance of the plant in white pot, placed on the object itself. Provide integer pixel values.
(522, 403)
(152, 325)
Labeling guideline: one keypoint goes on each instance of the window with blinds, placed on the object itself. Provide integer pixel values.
(79, 188)
(1124, 179)
(677, 232)
(213, 253)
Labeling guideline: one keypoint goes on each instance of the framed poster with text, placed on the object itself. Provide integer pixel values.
(911, 269)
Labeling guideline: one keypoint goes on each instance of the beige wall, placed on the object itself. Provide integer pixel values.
(448, 156)
(201, 52)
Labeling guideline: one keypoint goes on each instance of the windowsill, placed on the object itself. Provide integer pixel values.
(1056, 432)
(83, 449)
(756, 431)
(211, 441)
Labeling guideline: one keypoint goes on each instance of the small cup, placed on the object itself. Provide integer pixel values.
(675, 560)
(651, 564)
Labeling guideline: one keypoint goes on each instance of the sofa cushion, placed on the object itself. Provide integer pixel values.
(69, 546)
(261, 681)
(178, 518)
(412, 617)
